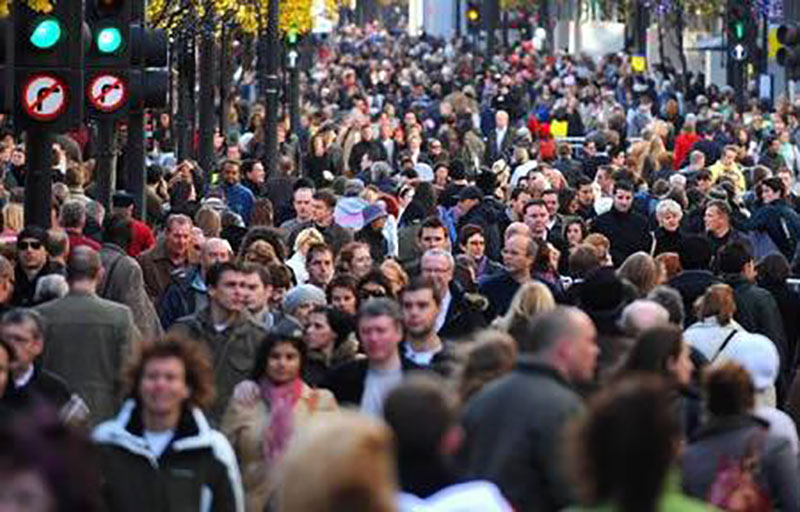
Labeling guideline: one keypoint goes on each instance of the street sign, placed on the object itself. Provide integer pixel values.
(44, 97)
(739, 52)
(107, 93)
(292, 57)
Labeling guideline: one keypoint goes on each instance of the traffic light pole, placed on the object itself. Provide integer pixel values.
(104, 169)
(38, 181)
(294, 91)
(134, 151)
(206, 118)
(272, 90)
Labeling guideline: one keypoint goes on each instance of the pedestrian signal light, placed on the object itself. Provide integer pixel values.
(109, 40)
(473, 14)
(46, 33)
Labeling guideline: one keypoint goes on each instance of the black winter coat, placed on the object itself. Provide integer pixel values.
(628, 233)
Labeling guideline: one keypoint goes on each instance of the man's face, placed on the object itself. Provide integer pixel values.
(586, 195)
(465, 205)
(520, 202)
(623, 200)
(704, 184)
(322, 214)
(432, 238)
(228, 293)
(254, 294)
(231, 174)
(728, 157)
(163, 387)
(515, 254)
(438, 269)
(302, 203)
(320, 268)
(536, 217)
(583, 350)
(362, 262)
(419, 312)
(604, 180)
(32, 254)
(27, 345)
(178, 238)
(475, 246)
(214, 252)
(380, 336)
(714, 219)
(501, 119)
(257, 173)
(787, 179)
(551, 201)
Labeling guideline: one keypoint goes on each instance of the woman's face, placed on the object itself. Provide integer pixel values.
(670, 221)
(574, 234)
(362, 262)
(344, 300)
(319, 335)
(681, 367)
(283, 363)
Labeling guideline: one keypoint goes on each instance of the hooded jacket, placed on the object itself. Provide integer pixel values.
(196, 471)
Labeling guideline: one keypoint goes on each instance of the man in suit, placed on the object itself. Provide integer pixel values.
(500, 141)
(88, 338)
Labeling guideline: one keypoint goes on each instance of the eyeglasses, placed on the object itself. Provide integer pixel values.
(24, 246)
(369, 294)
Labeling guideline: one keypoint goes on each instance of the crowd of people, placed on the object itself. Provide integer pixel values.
(537, 282)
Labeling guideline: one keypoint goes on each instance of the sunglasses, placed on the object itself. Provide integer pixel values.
(369, 294)
(24, 246)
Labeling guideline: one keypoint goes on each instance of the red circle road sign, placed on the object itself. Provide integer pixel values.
(44, 97)
(107, 92)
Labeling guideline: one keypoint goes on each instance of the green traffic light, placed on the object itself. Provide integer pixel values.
(46, 33)
(739, 29)
(292, 37)
(109, 40)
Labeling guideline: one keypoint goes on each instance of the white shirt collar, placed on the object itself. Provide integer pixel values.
(25, 378)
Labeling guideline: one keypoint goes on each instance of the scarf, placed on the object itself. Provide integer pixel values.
(281, 400)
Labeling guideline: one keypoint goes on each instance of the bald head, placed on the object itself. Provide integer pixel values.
(517, 228)
(83, 264)
(642, 314)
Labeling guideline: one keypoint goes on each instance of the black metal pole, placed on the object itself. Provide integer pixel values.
(294, 91)
(184, 119)
(223, 80)
(490, 24)
(206, 108)
(458, 17)
(104, 169)
(38, 181)
(135, 151)
(272, 89)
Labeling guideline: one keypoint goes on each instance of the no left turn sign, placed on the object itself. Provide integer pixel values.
(44, 97)
(107, 93)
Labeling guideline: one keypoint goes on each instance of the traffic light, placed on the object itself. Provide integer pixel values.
(473, 16)
(789, 54)
(742, 28)
(149, 72)
(108, 79)
(47, 56)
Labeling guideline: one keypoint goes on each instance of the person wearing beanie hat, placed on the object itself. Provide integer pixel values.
(375, 218)
(33, 263)
(348, 210)
(300, 300)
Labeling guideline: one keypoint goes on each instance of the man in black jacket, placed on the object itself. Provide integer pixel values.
(756, 309)
(515, 427)
(366, 382)
(695, 254)
(628, 231)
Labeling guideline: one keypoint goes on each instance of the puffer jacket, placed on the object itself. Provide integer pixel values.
(197, 470)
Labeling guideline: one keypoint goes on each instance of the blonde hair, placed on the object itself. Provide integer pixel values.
(14, 217)
(307, 238)
(394, 273)
(357, 472)
(531, 299)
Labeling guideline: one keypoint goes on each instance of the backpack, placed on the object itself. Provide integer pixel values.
(734, 487)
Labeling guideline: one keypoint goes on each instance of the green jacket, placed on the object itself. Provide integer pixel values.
(233, 351)
(87, 341)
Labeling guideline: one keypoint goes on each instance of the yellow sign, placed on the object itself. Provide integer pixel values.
(638, 63)
(772, 43)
